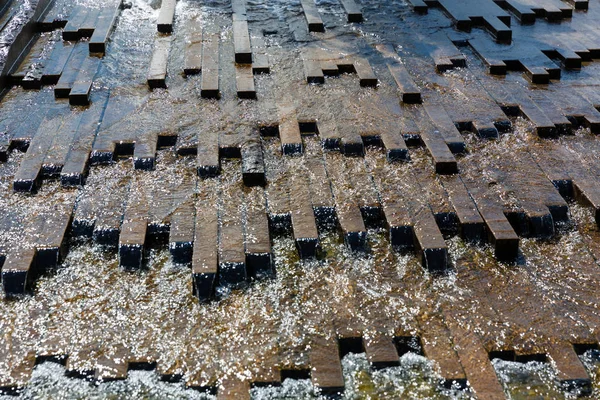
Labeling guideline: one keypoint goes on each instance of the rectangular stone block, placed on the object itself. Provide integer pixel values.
(429, 242)
(164, 24)
(133, 234)
(157, 73)
(381, 351)
(253, 165)
(181, 233)
(353, 11)
(205, 255)
(409, 91)
(241, 42)
(209, 86)
(104, 26)
(244, 80)
(313, 19)
(193, 48)
(326, 369)
(17, 271)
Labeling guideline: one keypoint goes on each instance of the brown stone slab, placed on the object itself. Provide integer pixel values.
(524, 14)
(543, 125)
(63, 86)
(193, 48)
(76, 163)
(241, 42)
(181, 233)
(144, 152)
(304, 226)
(429, 242)
(320, 190)
(365, 73)
(52, 234)
(443, 159)
(588, 193)
(56, 155)
(260, 63)
(446, 127)
(28, 176)
(365, 193)
(108, 218)
(253, 165)
(86, 29)
(239, 8)
(353, 11)
(289, 130)
(206, 251)
(329, 135)
(164, 24)
(326, 369)
(399, 224)
(56, 62)
(104, 26)
(574, 106)
(351, 142)
(81, 362)
(19, 132)
(233, 389)
(207, 160)
(488, 14)
(381, 351)
(438, 346)
(472, 226)
(232, 257)
(71, 30)
(244, 80)
(313, 19)
(572, 375)
(259, 257)
(157, 73)
(111, 369)
(409, 91)
(209, 86)
(267, 375)
(312, 68)
(82, 86)
(278, 201)
(17, 271)
(551, 110)
(54, 19)
(419, 6)
(330, 68)
(475, 361)
(133, 233)
(353, 226)
(500, 232)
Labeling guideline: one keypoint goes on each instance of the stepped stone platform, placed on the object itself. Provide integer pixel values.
(236, 192)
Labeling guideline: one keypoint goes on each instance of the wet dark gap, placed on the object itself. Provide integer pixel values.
(123, 150)
(230, 152)
(166, 141)
(21, 145)
(406, 344)
(581, 348)
(296, 374)
(269, 130)
(536, 357)
(308, 127)
(349, 345)
(60, 359)
(505, 355)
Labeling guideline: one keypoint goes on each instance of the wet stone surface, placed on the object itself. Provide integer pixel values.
(309, 199)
